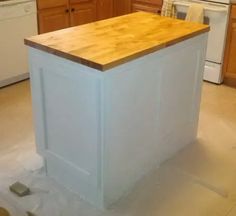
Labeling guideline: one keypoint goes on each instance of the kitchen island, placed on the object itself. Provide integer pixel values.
(115, 98)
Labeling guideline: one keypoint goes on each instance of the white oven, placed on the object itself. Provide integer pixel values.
(215, 15)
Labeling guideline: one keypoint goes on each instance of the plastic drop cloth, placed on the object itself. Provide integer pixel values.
(199, 181)
(195, 181)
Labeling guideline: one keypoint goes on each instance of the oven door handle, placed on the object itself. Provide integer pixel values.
(206, 7)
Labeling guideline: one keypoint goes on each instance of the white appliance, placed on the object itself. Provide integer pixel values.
(17, 20)
(216, 15)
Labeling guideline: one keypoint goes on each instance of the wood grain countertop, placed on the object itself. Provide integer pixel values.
(108, 43)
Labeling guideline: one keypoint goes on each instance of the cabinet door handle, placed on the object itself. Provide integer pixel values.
(67, 10)
(72, 9)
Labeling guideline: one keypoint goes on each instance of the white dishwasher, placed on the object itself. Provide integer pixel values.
(18, 20)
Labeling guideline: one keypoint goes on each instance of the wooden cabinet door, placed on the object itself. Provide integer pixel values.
(44, 4)
(153, 2)
(153, 6)
(53, 19)
(147, 8)
(230, 55)
(231, 69)
(104, 9)
(82, 12)
(121, 7)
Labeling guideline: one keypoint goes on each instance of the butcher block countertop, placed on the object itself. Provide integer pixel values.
(108, 43)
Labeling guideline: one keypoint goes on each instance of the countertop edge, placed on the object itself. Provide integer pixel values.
(62, 54)
(105, 67)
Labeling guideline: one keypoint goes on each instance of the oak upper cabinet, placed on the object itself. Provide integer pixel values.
(104, 9)
(153, 6)
(230, 53)
(82, 12)
(52, 15)
(121, 7)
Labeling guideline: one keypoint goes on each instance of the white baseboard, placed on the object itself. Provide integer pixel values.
(14, 79)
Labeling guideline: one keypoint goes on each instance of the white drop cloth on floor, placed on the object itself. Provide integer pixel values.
(199, 181)
(176, 189)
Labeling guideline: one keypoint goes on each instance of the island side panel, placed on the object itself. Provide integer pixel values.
(66, 103)
(181, 85)
(151, 112)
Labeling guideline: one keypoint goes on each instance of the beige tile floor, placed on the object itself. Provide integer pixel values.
(199, 181)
